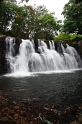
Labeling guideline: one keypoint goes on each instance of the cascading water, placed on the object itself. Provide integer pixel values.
(51, 45)
(44, 59)
(10, 52)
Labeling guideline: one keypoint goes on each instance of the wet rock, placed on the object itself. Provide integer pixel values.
(16, 116)
(11, 112)
(10, 118)
(16, 107)
(23, 108)
(3, 120)
(23, 113)
(5, 103)
(0, 105)
(80, 119)
(74, 122)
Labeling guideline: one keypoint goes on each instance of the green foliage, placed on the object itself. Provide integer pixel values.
(27, 21)
(18, 23)
(68, 37)
(73, 17)
(47, 18)
(75, 37)
(40, 11)
(12, 0)
(49, 25)
(63, 37)
(7, 14)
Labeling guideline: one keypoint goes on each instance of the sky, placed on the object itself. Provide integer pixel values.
(52, 5)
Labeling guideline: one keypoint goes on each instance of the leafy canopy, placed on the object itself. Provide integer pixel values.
(73, 17)
(68, 37)
(27, 21)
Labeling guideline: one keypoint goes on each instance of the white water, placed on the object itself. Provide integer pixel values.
(46, 60)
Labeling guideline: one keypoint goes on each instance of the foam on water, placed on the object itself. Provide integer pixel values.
(31, 74)
(20, 74)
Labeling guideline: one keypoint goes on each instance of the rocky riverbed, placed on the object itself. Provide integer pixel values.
(30, 111)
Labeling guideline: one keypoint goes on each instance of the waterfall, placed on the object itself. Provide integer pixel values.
(51, 44)
(27, 60)
(10, 52)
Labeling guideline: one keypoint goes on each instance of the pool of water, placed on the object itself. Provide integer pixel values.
(61, 88)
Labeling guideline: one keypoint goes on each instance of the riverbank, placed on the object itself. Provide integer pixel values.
(29, 111)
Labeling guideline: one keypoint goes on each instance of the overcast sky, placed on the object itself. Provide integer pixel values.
(52, 5)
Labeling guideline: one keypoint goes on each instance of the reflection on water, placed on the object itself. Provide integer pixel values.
(55, 88)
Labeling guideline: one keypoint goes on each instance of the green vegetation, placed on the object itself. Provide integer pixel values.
(39, 23)
(72, 27)
(27, 21)
(7, 16)
(49, 26)
(73, 17)
(68, 37)
(12, 0)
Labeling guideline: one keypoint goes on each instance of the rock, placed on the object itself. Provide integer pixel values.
(5, 103)
(4, 66)
(11, 113)
(74, 122)
(3, 120)
(23, 113)
(10, 118)
(80, 119)
(16, 107)
(23, 108)
(16, 116)
(0, 105)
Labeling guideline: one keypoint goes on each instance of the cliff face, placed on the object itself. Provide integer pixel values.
(3, 63)
(78, 47)
(4, 67)
(2, 55)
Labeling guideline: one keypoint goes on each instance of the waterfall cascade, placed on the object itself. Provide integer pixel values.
(27, 60)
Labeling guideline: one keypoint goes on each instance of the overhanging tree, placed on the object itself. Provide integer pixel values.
(73, 17)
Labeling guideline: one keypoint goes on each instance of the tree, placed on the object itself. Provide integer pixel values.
(13, 0)
(7, 14)
(23, 25)
(40, 11)
(8, 1)
(15, 20)
(25, 21)
(49, 26)
(73, 17)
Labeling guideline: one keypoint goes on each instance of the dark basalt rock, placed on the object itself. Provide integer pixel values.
(77, 46)
(3, 63)
(2, 54)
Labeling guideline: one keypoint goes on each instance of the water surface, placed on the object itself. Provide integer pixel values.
(63, 88)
